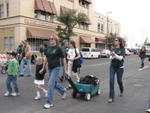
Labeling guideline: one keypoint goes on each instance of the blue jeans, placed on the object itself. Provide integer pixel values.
(12, 79)
(142, 61)
(52, 83)
(23, 62)
(119, 73)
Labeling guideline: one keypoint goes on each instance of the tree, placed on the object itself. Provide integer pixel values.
(69, 19)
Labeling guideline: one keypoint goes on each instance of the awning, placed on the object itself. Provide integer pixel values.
(100, 40)
(39, 5)
(46, 6)
(84, 39)
(63, 10)
(39, 34)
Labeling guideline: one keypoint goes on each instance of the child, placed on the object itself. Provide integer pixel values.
(12, 71)
(39, 78)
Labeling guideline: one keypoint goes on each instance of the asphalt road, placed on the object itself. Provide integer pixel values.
(136, 83)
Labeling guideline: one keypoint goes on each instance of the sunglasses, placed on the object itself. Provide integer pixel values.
(51, 39)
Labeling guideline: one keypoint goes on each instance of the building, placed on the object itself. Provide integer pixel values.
(35, 21)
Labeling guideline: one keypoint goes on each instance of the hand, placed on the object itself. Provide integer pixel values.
(41, 71)
(113, 53)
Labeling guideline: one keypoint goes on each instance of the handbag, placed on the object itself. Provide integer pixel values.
(76, 64)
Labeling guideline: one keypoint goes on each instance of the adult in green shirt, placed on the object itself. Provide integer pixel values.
(116, 68)
(53, 54)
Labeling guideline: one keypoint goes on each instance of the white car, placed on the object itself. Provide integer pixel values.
(105, 53)
(90, 52)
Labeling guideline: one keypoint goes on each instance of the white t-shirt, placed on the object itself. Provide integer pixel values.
(71, 53)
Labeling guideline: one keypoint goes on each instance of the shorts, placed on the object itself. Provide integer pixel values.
(39, 82)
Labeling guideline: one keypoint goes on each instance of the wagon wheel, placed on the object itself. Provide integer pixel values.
(99, 91)
(74, 94)
(88, 96)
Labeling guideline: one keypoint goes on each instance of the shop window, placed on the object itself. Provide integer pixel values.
(1, 10)
(35, 43)
(9, 43)
(85, 45)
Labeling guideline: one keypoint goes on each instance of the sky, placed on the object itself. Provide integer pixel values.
(133, 15)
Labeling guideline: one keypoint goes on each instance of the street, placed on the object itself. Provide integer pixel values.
(135, 99)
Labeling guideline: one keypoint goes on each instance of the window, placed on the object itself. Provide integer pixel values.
(35, 43)
(83, 4)
(1, 10)
(44, 16)
(7, 9)
(98, 27)
(102, 28)
(9, 43)
(84, 26)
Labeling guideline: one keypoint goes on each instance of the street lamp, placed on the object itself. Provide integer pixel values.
(107, 28)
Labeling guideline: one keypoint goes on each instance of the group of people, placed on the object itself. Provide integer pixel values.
(61, 58)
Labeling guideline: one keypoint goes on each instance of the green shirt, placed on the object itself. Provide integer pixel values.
(13, 67)
(115, 62)
(54, 54)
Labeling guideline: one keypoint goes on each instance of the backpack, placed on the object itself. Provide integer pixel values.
(81, 58)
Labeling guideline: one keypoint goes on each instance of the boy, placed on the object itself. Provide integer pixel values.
(12, 72)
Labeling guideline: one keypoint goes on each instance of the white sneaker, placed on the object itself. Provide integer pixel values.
(148, 110)
(37, 98)
(47, 106)
(13, 94)
(64, 95)
(7, 94)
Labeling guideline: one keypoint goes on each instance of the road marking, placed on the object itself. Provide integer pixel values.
(97, 64)
(143, 68)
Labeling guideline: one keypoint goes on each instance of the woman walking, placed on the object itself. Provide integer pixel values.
(116, 67)
(53, 54)
(142, 55)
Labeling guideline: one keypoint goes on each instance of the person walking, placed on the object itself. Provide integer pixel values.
(53, 54)
(39, 78)
(142, 55)
(116, 67)
(26, 59)
(12, 71)
(19, 51)
(72, 55)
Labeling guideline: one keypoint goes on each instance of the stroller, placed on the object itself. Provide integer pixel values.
(3, 68)
(88, 90)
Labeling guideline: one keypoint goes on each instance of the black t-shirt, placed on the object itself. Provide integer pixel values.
(39, 76)
(54, 54)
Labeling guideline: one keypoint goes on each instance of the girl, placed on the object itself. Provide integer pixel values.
(39, 78)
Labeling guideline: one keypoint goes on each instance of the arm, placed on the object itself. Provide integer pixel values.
(44, 64)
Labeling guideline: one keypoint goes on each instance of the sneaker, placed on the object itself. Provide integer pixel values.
(148, 110)
(13, 94)
(7, 94)
(37, 98)
(64, 95)
(110, 100)
(47, 106)
(21, 75)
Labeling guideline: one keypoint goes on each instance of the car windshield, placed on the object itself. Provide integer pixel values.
(85, 49)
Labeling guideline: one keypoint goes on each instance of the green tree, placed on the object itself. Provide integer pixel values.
(69, 19)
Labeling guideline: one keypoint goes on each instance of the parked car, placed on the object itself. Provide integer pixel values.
(90, 52)
(127, 52)
(105, 53)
